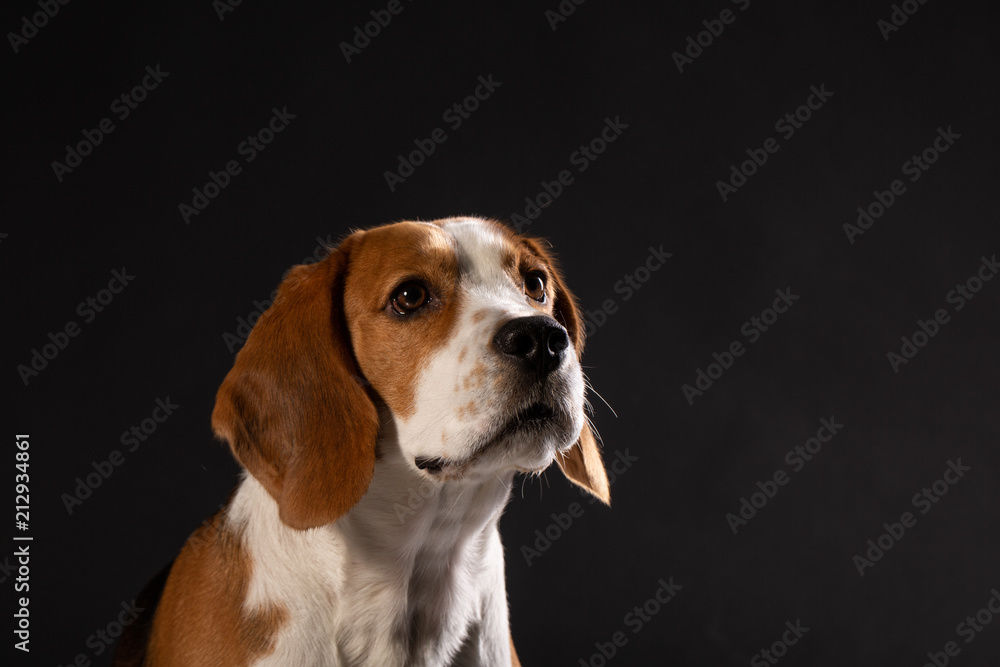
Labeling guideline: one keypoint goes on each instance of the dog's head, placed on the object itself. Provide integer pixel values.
(461, 328)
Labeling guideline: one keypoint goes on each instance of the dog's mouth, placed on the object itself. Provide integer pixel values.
(432, 465)
(534, 416)
(533, 419)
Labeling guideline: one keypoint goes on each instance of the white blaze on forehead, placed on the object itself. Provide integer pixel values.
(481, 250)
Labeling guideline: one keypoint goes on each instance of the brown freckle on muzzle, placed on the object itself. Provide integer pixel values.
(476, 377)
(466, 410)
(479, 316)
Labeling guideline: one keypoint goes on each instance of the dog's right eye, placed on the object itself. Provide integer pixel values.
(410, 297)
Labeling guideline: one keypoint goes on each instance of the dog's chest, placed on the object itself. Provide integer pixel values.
(404, 579)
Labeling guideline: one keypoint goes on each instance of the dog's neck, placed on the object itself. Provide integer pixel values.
(408, 520)
(417, 563)
(415, 513)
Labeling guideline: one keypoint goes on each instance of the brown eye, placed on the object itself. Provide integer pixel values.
(534, 285)
(409, 297)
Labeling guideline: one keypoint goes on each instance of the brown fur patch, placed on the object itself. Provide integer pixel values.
(393, 349)
(292, 408)
(200, 620)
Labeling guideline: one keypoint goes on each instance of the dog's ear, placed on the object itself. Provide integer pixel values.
(294, 409)
(582, 462)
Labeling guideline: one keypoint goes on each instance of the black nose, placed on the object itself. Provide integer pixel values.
(536, 342)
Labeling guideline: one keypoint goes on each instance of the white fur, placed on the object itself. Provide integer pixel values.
(413, 574)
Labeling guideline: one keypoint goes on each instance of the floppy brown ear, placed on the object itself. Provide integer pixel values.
(293, 409)
(582, 462)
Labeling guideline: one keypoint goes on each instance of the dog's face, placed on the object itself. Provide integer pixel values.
(453, 324)
(461, 328)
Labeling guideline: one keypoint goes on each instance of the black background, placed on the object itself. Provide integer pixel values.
(654, 185)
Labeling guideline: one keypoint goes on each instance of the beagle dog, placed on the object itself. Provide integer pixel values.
(380, 408)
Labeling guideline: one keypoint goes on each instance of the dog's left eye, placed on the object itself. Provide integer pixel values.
(534, 285)
(410, 297)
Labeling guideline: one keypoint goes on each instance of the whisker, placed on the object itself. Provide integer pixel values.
(598, 394)
(594, 431)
